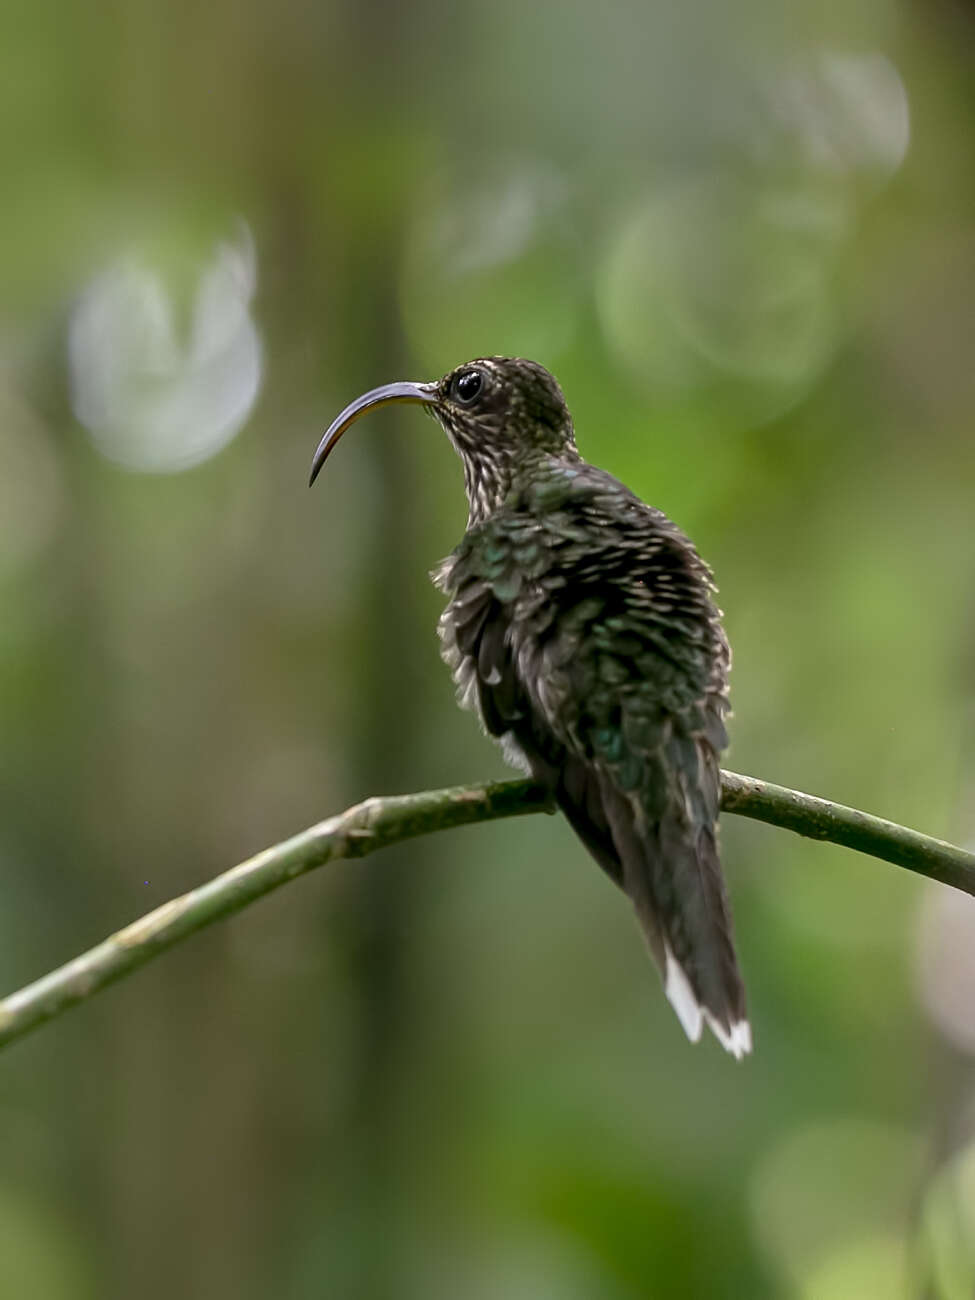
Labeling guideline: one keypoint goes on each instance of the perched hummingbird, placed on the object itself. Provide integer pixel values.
(581, 627)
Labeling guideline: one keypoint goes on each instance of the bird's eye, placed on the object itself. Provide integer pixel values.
(467, 385)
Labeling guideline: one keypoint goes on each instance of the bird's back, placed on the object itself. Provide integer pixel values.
(581, 627)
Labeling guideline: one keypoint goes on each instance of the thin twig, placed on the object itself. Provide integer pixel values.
(378, 822)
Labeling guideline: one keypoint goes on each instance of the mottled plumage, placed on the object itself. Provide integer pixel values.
(581, 628)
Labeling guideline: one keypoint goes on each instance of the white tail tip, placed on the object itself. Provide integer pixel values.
(681, 997)
(738, 1042)
(692, 1015)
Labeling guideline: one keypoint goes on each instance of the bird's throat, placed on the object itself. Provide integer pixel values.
(488, 476)
(492, 475)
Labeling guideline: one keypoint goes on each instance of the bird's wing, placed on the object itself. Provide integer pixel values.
(477, 645)
(582, 627)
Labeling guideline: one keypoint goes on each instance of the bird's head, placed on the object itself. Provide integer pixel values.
(502, 414)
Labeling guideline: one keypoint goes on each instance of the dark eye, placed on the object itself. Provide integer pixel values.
(467, 385)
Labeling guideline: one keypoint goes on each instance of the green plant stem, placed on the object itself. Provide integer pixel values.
(381, 821)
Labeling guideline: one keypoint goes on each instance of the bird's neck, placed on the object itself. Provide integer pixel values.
(494, 472)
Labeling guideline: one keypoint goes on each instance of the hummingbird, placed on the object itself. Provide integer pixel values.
(581, 628)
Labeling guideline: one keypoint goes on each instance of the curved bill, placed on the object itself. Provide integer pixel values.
(423, 394)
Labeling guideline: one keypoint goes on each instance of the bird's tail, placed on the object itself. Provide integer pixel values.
(700, 969)
(672, 873)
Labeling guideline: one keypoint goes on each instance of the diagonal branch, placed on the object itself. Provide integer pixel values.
(378, 822)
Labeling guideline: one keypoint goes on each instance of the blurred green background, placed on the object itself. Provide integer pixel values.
(743, 237)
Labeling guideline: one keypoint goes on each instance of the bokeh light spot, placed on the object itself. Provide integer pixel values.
(827, 1188)
(712, 284)
(151, 400)
(845, 113)
(493, 269)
